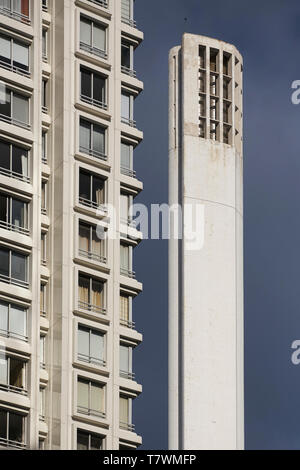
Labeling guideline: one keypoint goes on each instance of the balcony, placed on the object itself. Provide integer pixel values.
(91, 360)
(129, 122)
(92, 256)
(11, 13)
(127, 426)
(128, 21)
(93, 50)
(128, 172)
(14, 68)
(14, 228)
(93, 205)
(127, 375)
(10, 334)
(100, 3)
(12, 444)
(128, 221)
(127, 273)
(93, 153)
(13, 174)
(93, 102)
(13, 281)
(14, 121)
(11, 388)
(91, 308)
(127, 323)
(89, 412)
(128, 71)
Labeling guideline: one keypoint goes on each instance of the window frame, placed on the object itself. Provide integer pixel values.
(8, 387)
(8, 332)
(11, 119)
(90, 254)
(89, 47)
(90, 411)
(8, 225)
(8, 279)
(6, 441)
(10, 66)
(90, 359)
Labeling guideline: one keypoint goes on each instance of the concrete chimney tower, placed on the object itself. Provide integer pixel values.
(206, 376)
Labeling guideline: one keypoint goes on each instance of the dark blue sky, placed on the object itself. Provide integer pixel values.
(267, 33)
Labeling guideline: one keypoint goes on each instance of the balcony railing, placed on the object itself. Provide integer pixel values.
(43, 313)
(44, 58)
(89, 412)
(92, 204)
(44, 210)
(101, 3)
(42, 365)
(13, 174)
(14, 14)
(93, 101)
(44, 160)
(13, 68)
(92, 256)
(45, 109)
(128, 221)
(12, 444)
(15, 282)
(127, 375)
(127, 273)
(128, 71)
(14, 228)
(14, 121)
(128, 21)
(129, 122)
(127, 426)
(91, 360)
(42, 418)
(128, 172)
(91, 308)
(127, 323)
(9, 334)
(93, 50)
(93, 153)
(11, 388)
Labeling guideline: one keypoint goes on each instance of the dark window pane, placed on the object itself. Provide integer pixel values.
(4, 155)
(18, 213)
(99, 139)
(18, 267)
(99, 88)
(4, 262)
(84, 185)
(5, 49)
(19, 161)
(5, 101)
(125, 56)
(21, 55)
(15, 427)
(3, 424)
(3, 208)
(98, 190)
(86, 83)
(96, 443)
(82, 441)
(16, 373)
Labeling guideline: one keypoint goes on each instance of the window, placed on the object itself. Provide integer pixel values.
(12, 374)
(227, 112)
(127, 160)
(91, 346)
(202, 103)
(13, 267)
(42, 352)
(17, 9)
(12, 429)
(90, 398)
(127, 12)
(44, 96)
(45, 45)
(13, 321)
(91, 294)
(42, 404)
(214, 108)
(214, 54)
(13, 214)
(43, 309)
(126, 362)
(91, 190)
(44, 147)
(202, 57)
(14, 107)
(125, 209)
(13, 161)
(45, 5)
(44, 198)
(92, 139)
(88, 441)
(101, 3)
(126, 413)
(226, 64)
(126, 311)
(90, 245)
(14, 55)
(127, 109)
(126, 260)
(226, 134)
(214, 128)
(93, 88)
(44, 249)
(226, 88)
(127, 51)
(92, 37)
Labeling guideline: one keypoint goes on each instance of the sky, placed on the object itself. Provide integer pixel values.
(267, 33)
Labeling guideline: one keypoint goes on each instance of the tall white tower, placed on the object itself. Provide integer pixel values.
(206, 404)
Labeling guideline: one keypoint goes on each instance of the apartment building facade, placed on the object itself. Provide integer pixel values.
(206, 379)
(67, 139)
